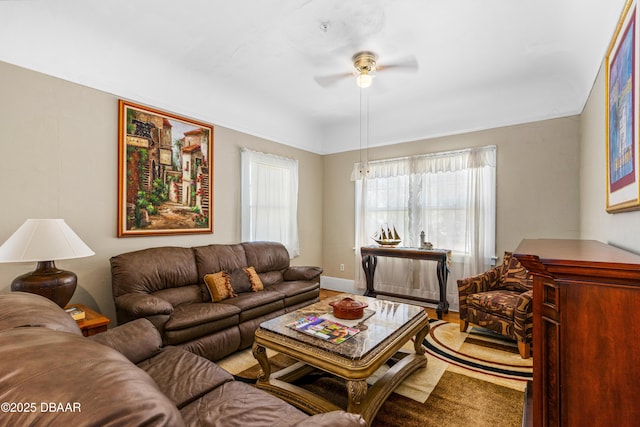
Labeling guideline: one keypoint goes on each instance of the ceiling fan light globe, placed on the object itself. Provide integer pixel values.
(364, 80)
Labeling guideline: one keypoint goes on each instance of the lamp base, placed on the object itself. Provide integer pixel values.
(49, 281)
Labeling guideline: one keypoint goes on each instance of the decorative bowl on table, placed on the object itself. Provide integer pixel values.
(348, 308)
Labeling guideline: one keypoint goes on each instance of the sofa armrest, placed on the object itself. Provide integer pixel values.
(302, 273)
(334, 418)
(137, 340)
(142, 305)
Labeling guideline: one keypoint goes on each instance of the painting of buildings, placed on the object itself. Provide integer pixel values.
(164, 173)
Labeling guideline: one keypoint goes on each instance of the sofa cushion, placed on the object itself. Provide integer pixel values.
(216, 345)
(305, 298)
(198, 331)
(219, 286)
(292, 288)
(214, 258)
(254, 279)
(254, 304)
(153, 269)
(192, 321)
(180, 295)
(266, 256)
(183, 376)
(20, 309)
(248, 327)
(239, 404)
(188, 315)
(270, 277)
(107, 389)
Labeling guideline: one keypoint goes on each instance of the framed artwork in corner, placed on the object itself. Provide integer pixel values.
(623, 178)
(165, 173)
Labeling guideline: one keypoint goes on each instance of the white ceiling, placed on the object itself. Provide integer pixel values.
(249, 65)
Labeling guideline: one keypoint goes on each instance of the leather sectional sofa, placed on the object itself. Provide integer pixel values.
(51, 375)
(166, 286)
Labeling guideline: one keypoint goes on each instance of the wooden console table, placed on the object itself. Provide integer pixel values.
(370, 256)
(586, 351)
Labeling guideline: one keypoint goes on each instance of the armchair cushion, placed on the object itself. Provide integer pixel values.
(499, 303)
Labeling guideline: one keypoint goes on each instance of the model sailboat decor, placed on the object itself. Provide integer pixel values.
(387, 237)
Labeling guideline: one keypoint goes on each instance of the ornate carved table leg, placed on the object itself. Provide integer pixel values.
(357, 391)
(417, 343)
(260, 353)
(369, 266)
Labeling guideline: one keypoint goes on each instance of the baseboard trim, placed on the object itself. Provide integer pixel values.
(340, 285)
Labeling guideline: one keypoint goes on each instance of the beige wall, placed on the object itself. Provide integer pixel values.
(58, 149)
(58, 154)
(537, 186)
(619, 229)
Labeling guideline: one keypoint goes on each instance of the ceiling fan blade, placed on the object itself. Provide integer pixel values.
(331, 79)
(409, 63)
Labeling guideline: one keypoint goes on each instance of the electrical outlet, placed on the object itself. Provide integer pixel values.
(341, 267)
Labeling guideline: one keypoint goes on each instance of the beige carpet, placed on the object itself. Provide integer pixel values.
(453, 390)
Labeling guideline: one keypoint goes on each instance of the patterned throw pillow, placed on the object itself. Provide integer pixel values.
(219, 285)
(256, 283)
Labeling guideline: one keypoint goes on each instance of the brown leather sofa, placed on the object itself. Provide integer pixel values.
(51, 375)
(166, 286)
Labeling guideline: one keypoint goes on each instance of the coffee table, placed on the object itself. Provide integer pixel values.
(384, 334)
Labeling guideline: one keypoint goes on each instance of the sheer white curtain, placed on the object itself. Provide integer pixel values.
(450, 196)
(269, 206)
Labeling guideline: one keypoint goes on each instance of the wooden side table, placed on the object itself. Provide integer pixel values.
(93, 323)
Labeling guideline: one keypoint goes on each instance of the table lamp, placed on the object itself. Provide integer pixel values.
(43, 241)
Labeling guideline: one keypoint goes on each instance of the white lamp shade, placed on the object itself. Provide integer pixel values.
(43, 240)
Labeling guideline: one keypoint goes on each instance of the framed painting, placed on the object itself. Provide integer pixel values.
(165, 173)
(623, 179)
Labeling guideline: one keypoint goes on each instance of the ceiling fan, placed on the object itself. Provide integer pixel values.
(365, 64)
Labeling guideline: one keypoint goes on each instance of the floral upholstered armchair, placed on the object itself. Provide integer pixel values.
(501, 300)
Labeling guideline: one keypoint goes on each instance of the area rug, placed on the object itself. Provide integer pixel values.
(481, 351)
(471, 379)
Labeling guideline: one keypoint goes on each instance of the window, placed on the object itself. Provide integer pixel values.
(450, 196)
(269, 206)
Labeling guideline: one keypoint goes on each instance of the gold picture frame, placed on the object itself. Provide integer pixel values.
(623, 172)
(165, 173)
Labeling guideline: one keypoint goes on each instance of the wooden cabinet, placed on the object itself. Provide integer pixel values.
(586, 343)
